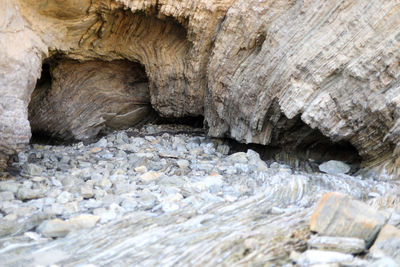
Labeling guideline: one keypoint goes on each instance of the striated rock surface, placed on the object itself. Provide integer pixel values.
(259, 71)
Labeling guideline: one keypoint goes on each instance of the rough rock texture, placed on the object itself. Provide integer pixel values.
(253, 68)
(86, 97)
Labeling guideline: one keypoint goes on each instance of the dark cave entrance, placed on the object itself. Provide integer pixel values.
(296, 144)
(58, 114)
(80, 101)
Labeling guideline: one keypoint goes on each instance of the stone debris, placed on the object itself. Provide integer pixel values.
(339, 215)
(152, 186)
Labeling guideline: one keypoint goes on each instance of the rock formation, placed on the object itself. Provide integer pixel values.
(252, 68)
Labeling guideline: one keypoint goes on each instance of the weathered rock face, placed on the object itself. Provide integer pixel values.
(83, 98)
(250, 67)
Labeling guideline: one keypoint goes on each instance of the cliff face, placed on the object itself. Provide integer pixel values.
(250, 67)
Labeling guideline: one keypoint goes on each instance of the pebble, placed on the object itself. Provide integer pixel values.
(86, 191)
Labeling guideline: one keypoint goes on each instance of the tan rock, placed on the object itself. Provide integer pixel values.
(149, 177)
(338, 215)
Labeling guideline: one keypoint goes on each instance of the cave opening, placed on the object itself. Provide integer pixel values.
(297, 145)
(83, 101)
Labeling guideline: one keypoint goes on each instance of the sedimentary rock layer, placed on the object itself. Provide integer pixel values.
(248, 66)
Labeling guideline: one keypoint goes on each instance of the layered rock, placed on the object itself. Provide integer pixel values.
(252, 68)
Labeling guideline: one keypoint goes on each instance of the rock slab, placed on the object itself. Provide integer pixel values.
(339, 215)
(339, 244)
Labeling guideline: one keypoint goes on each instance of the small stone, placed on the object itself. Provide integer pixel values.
(141, 169)
(27, 194)
(87, 191)
(387, 243)
(31, 169)
(149, 177)
(95, 150)
(101, 143)
(6, 196)
(334, 167)
(104, 183)
(65, 197)
(312, 257)
(339, 244)
(338, 215)
(85, 220)
(239, 157)
(182, 163)
(129, 204)
(9, 186)
(55, 228)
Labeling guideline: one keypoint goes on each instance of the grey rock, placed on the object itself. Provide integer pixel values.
(9, 186)
(334, 167)
(30, 169)
(339, 244)
(86, 191)
(6, 196)
(27, 194)
(312, 257)
(65, 197)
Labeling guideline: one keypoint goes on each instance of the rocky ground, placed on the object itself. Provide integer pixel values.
(167, 195)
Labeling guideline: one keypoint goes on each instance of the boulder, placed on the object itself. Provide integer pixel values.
(341, 216)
